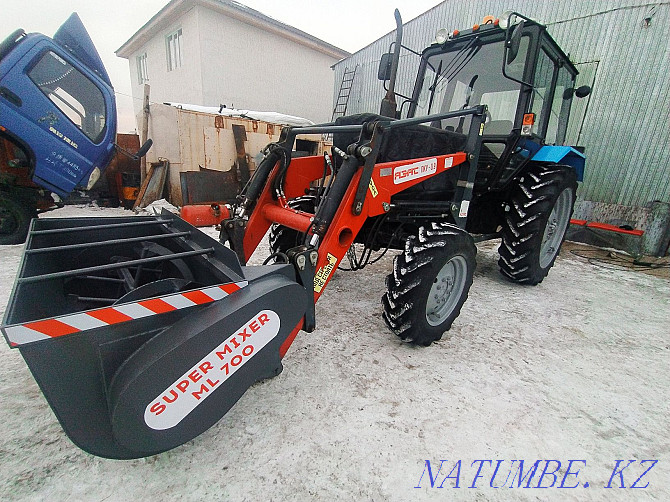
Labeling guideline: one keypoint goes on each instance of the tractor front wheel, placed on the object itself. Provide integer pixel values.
(429, 283)
(536, 219)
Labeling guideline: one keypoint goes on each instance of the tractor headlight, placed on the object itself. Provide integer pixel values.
(441, 36)
(95, 175)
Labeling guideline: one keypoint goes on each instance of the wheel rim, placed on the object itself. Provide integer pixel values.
(446, 290)
(555, 228)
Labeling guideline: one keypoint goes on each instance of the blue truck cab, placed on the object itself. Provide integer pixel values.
(57, 104)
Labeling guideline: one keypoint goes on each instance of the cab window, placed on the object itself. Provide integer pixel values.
(72, 93)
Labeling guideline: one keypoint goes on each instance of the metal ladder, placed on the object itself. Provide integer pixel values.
(342, 100)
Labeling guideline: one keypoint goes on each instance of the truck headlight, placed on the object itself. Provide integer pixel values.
(95, 176)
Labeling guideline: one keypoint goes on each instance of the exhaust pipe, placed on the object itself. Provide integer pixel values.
(389, 106)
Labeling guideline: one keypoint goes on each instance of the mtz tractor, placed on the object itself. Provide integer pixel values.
(147, 331)
(501, 94)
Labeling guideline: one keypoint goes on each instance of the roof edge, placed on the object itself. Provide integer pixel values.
(231, 9)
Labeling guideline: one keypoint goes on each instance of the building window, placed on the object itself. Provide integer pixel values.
(173, 43)
(142, 73)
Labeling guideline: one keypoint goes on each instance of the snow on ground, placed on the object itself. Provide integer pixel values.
(573, 369)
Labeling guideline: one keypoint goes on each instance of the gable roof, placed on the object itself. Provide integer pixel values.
(231, 9)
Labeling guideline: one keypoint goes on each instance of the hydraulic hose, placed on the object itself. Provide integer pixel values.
(259, 178)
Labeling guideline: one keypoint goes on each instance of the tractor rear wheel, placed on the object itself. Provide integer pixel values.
(283, 238)
(429, 283)
(536, 219)
(15, 217)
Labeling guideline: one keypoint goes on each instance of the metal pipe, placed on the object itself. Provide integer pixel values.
(110, 301)
(475, 110)
(389, 105)
(98, 278)
(317, 129)
(288, 217)
(112, 266)
(110, 242)
(99, 227)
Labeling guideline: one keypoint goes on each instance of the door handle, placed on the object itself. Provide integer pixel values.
(10, 96)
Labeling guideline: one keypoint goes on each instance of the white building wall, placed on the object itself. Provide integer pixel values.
(250, 68)
(182, 85)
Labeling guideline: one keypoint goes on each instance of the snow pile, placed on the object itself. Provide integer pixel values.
(272, 117)
(157, 207)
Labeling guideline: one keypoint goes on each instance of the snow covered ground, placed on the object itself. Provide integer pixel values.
(573, 369)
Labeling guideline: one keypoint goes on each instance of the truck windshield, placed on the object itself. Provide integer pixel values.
(469, 75)
(72, 92)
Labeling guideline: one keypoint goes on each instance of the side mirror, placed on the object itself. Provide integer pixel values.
(143, 149)
(140, 153)
(514, 42)
(385, 65)
(583, 91)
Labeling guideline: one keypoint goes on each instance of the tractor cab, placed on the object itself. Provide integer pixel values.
(514, 67)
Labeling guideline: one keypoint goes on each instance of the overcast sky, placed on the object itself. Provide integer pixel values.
(348, 24)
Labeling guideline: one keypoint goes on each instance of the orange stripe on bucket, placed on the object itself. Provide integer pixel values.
(52, 327)
(158, 306)
(110, 316)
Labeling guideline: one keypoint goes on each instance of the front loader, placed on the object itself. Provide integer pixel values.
(143, 332)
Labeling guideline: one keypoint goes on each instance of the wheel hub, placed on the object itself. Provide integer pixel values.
(555, 228)
(446, 290)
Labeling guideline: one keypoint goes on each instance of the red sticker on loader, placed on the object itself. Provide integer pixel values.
(208, 374)
(402, 174)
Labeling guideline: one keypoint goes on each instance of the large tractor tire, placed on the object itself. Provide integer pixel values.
(15, 217)
(429, 283)
(536, 219)
(283, 238)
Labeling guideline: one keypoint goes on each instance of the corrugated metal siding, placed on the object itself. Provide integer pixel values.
(626, 130)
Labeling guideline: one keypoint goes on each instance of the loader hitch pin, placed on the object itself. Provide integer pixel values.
(305, 260)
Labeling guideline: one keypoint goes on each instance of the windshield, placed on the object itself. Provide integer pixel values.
(469, 75)
(72, 92)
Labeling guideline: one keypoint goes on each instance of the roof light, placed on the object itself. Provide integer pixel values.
(508, 19)
(441, 36)
(455, 33)
(475, 27)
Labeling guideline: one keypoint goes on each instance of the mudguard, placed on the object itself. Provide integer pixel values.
(562, 155)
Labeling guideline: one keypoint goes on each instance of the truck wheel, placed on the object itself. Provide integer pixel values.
(429, 283)
(536, 220)
(283, 238)
(15, 219)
